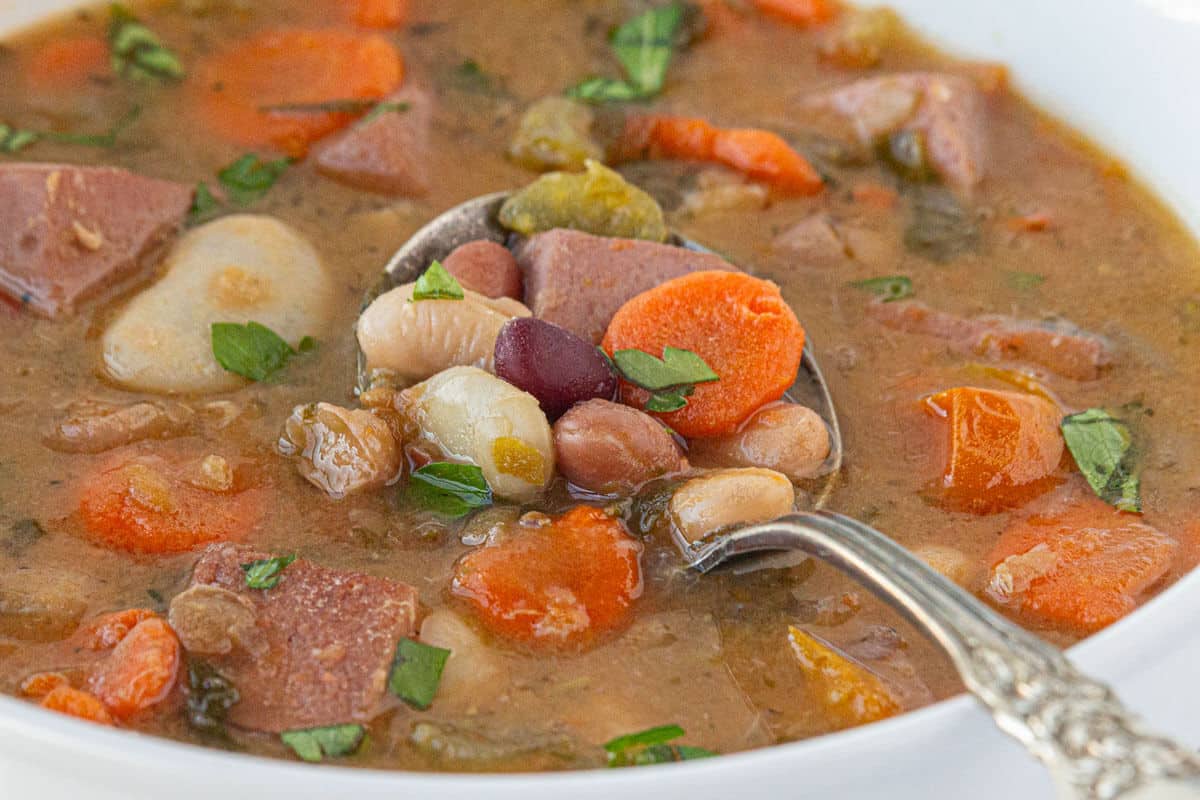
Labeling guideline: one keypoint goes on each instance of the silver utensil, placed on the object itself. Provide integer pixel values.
(1094, 747)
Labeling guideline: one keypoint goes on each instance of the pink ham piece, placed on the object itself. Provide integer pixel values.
(314, 650)
(579, 281)
(67, 232)
(386, 152)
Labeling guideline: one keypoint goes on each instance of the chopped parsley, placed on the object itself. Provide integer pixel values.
(416, 672)
(1103, 448)
(888, 288)
(331, 741)
(436, 283)
(249, 178)
(670, 379)
(652, 746)
(267, 572)
(453, 490)
(136, 51)
(252, 350)
(644, 46)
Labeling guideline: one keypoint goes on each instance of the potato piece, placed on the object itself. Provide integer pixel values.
(729, 497)
(239, 268)
(41, 605)
(785, 437)
(342, 450)
(474, 416)
(416, 340)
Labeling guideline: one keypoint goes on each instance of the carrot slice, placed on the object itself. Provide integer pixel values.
(804, 13)
(563, 583)
(1000, 448)
(849, 692)
(380, 13)
(238, 87)
(66, 64)
(41, 684)
(875, 195)
(738, 324)
(107, 632)
(1078, 568)
(761, 155)
(77, 703)
(141, 671)
(147, 504)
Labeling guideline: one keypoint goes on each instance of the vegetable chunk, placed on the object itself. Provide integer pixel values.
(1079, 567)
(1000, 448)
(141, 670)
(555, 133)
(387, 151)
(565, 583)
(738, 324)
(848, 691)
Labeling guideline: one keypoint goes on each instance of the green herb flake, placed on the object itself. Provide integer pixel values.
(252, 350)
(386, 107)
(436, 283)
(14, 140)
(416, 672)
(249, 178)
(453, 490)
(136, 51)
(266, 573)
(670, 379)
(204, 205)
(1024, 281)
(888, 288)
(1103, 448)
(652, 746)
(644, 46)
(314, 744)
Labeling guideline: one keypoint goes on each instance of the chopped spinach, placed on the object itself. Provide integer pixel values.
(436, 283)
(210, 695)
(416, 672)
(1104, 449)
(940, 228)
(252, 350)
(453, 490)
(651, 746)
(249, 178)
(888, 288)
(267, 572)
(314, 744)
(137, 52)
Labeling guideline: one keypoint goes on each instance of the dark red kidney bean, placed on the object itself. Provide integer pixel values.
(609, 448)
(485, 267)
(552, 364)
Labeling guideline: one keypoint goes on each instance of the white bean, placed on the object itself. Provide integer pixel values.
(472, 669)
(729, 497)
(474, 416)
(785, 437)
(239, 268)
(416, 340)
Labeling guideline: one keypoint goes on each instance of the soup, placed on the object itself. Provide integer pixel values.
(466, 554)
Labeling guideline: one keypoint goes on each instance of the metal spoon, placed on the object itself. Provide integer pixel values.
(1094, 747)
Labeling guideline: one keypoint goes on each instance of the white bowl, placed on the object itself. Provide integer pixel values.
(1125, 72)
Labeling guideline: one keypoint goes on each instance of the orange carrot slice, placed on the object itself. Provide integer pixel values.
(63, 65)
(41, 684)
(141, 670)
(804, 13)
(107, 632)
(77, 703)
(380, 13)
(738, 324)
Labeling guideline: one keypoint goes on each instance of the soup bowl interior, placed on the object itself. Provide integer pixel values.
(1123, 72)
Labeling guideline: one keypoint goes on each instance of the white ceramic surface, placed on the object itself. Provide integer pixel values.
(1124, 71)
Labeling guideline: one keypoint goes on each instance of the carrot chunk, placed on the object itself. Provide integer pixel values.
(739, 325)
(380, 13)
(1000, 448)
(141, 670)
(77, 703)
(1078, 568)
(563, 583)
(41, 684)
(63, 65)
(107, 632)
(243, 87)
(148, 504)
(804, 13)
(849, 692)
(759, 154)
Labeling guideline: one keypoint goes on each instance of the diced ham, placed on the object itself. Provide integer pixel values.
(321, 646)
(579, 281)
(67, 232)
(814, 241)
(948, 110)
(386, 152)
(1058, 346)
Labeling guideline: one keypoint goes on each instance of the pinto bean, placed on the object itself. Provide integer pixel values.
(609, 448)
(729, 497)
(485, 267)
(342, 450)
(785, 437)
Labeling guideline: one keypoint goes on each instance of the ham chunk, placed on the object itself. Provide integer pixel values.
(947, 110)
(1058, 346)
(386, 152)
(578, 281)
(67, 232)
(314, 650)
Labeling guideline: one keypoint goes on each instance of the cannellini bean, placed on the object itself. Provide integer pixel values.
(240, 268)
(472, 665)
(474, 416)
(729, 497)
(610, 448)
(416, 340)
(785, 437)
(342, 450)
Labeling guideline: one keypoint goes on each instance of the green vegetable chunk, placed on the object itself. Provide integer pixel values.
(252, 350)
(1103, 448)
(644, 45)
(314, 744)
(137, 52)
(436, 283)
(266, 573)
(598, 201)
(890, 288)
(652, 747)
(416, 672)
(670, 379)
(249, 178)
(555, 133)
(453, 490)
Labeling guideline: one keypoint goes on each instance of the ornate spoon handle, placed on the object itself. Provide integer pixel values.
(1095, 748)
